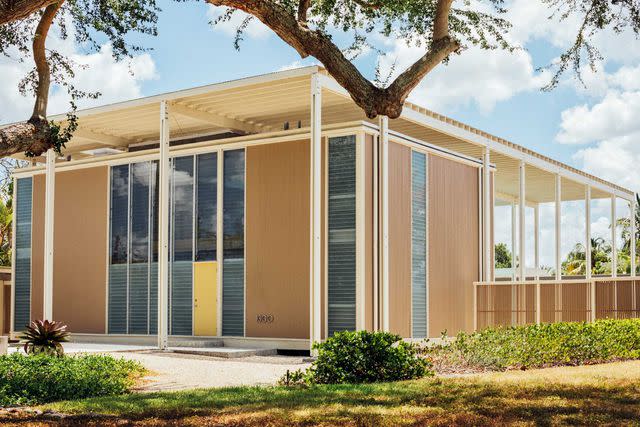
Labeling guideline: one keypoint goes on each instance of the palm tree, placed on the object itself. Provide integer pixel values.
(625, 223)
(575, 263)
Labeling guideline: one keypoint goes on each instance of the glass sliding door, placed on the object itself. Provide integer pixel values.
(133, 250)
(233, 244)
(138, 298)
(342, 234)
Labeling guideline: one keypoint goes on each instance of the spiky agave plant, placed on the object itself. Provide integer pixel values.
(44, 336)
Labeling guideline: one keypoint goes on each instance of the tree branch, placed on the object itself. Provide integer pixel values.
(373, 100)
(303, 7)
(40, 58)
(34, 136)
(15, 10)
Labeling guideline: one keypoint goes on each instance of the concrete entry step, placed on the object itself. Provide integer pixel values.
(224, 352)
(196, 343)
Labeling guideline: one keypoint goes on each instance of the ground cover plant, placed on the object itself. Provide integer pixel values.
(42, 378)
(539, 345)
(577, 395)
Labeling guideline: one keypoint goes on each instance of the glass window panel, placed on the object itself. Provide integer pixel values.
(182, 203)
(206, 199)
(119, 213)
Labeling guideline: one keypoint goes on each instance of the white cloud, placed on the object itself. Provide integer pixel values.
(615, 159)
(255, 29)
(616, 115)
(477, 78)
(116, 81)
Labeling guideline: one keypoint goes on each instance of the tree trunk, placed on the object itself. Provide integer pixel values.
(34, 136)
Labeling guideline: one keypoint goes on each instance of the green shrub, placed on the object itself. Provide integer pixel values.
(41, 378)
(543, 345)
(366, 357)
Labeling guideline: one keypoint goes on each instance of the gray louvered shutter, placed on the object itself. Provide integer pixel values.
(181, 297)
(22, 280)
(342, 234)
(419, 244)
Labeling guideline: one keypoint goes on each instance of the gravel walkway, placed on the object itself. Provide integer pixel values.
(170, 371)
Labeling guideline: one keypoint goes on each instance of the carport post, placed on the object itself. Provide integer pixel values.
(384, 214)
(316, 210)
(50, 187)
(163, 225)
(587, 252)
(486, 214)
(632, 221)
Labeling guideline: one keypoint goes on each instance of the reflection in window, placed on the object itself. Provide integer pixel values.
(119, 213)
(206, 202)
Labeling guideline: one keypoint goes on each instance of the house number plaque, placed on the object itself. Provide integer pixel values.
(264, 318)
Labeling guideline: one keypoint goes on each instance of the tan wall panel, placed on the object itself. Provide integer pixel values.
(277, 241)
(80, 245)
(80, 249)
(453, 245)
(368, 195)
(37, 249)
(400, 239)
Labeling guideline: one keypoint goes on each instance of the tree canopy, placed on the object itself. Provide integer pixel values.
(440, 27)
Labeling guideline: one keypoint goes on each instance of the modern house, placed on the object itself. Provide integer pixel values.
(269, 211)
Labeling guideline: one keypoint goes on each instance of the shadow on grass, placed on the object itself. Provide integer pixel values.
(434, 401)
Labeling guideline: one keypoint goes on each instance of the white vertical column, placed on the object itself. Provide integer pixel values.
(536, 227)
(486, 214)
(614, 245)
(316, 209)
(632, 249)
(50, 188)
(587, 210)
(384, 214)
(514, 233)
(522, 197)
(558, 227)
(163, 226)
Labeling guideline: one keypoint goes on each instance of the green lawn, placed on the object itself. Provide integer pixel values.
(596, 395)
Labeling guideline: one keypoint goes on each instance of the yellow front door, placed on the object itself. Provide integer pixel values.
(205, 298)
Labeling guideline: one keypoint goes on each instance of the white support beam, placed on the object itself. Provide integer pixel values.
(512, 151)
(587, 209)
(558, 222)
(214, 119)
(163, 225)
(614, 244)
(101, 138)
(522, 231)
(50, 188)
(384, 214)
(633, 237)
(486, 214)
(316, 210)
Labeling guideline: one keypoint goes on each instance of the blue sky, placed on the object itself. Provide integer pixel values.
(595, 128)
